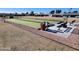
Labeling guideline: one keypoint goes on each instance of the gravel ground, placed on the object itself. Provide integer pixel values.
(16, 39)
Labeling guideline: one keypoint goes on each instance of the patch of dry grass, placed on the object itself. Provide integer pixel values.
(48, 18)
(16, 39)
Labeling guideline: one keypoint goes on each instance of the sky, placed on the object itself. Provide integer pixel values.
(44, 10)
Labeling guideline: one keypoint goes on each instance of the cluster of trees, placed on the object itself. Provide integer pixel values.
(55, 11)
(72, 12)
(60, 11)
(32, 13)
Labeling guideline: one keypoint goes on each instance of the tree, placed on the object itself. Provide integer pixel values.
(32, 13)
(75, 11)
(52, 12)
(27, 13)
(23, 14)
(58, 11)
(41, 14)
(69, 12)
(16, 13)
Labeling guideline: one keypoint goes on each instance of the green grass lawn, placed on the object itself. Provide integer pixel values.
(32, 22)
(28, 23)
(43, 20)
